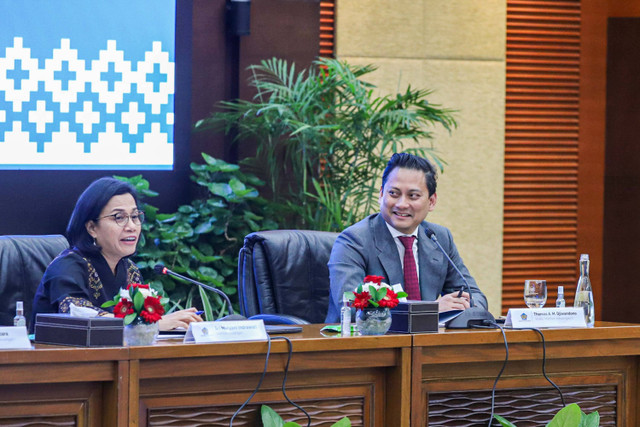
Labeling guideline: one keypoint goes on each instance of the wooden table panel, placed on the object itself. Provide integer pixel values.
(363, 377)
(58, 385)
(393, 380)
(454, 372)
(325, 405)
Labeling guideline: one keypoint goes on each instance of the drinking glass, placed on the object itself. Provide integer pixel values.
(535, 293)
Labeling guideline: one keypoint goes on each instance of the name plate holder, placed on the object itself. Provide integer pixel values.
(14, 338)
(552, 317)
(225, 331)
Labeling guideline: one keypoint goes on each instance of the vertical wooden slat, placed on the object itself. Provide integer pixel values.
(541, 147)
(327, 28)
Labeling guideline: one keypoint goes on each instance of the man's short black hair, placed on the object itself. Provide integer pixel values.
(88, 208)
(411, 161)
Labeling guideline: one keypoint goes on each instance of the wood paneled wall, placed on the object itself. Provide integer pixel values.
(541, 147)
(555, 144)
(327, 28)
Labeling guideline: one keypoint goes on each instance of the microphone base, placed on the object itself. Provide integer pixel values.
(473, 316)
(233, 316)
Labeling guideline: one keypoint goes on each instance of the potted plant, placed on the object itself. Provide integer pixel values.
(323, 137)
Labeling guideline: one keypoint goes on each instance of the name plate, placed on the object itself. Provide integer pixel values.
(14, 338)
(225, 331)
(553, 317)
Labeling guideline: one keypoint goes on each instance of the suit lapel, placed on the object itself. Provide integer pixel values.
(387, 251)
(431, 261)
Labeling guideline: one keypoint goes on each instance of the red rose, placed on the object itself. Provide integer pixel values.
(123, 308)
(375, 279)
(137, 285)
(153, 310)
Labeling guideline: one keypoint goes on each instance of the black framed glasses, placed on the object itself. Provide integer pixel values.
(122, 218)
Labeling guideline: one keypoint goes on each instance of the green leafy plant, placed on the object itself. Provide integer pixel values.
(202, 239)
(569, 416)
(270, 418)
(323, 137)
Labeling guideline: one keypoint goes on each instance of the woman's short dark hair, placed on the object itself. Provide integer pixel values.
(88, 208)
(410, 161)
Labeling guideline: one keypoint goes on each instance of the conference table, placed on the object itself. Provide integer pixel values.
(435, 379)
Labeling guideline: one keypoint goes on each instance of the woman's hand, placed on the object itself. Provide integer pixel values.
(179, 319)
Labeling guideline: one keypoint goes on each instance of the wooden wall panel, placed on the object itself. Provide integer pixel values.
(541, 147)
(327, 28)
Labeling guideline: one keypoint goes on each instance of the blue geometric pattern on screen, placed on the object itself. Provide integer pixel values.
(87, 92)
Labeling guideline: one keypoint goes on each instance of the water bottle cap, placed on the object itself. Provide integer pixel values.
(584, 256)
(19, 305)
(560, 289)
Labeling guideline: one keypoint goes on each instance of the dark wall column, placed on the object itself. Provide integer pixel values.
(621, 250)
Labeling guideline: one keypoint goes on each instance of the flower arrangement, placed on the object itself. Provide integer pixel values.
(138, 303)
(374, 292)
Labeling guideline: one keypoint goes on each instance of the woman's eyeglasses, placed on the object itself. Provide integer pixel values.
(122, 218)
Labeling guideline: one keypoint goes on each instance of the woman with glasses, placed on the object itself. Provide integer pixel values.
(103, 232)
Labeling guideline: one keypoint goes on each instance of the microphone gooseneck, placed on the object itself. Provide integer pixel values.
(432, 236)
(473, 315)
(161, 269)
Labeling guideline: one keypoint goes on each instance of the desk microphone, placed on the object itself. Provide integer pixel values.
(161, 269)
(471, 316)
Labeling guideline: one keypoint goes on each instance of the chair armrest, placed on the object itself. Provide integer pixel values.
(279, 319)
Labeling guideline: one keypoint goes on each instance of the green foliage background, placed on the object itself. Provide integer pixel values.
(202, 239)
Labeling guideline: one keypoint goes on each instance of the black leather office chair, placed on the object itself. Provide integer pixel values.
(23, 260)
(283, 275)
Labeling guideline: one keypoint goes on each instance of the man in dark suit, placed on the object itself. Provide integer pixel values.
(376, 245)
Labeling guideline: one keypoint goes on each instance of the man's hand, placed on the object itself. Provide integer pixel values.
(453, 302)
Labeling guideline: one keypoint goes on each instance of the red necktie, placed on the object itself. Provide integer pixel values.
(411, 284)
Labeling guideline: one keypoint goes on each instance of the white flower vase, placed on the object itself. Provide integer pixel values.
(140, 333)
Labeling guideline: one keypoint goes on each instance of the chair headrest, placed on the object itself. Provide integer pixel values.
(23, 260)
(285, 272)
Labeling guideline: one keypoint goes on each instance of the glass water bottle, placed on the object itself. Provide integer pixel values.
(584, 292)
(345, 317)
(19, 320)
(560, 300)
